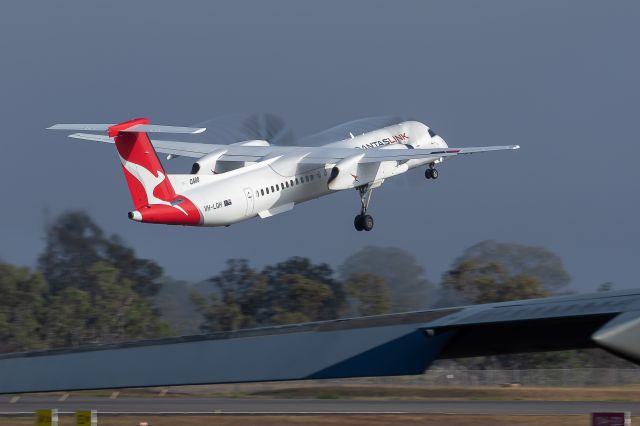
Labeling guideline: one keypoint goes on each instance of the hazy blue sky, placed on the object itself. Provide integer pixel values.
(559, 78)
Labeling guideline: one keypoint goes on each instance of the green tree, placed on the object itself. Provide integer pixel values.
(295, 290)
(99, 290)
(107, 310)
(239, 298)
(481, 281)
(369, 293)
(409, 288)
(520, 259)
(333, 306)
(221, 315)
(74, 242)
(489, 282)
(22, 308)
(121, 313)
(305, 299)
(68, 315)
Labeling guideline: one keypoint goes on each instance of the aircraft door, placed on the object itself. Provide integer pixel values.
(248, 192)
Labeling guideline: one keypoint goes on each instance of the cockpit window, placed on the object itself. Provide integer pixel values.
(432, 133)
(177, 201)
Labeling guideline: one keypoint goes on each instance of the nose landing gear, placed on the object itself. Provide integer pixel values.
(363, 221)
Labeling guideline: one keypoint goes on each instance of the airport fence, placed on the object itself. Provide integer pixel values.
(569, 377)
(442, 377)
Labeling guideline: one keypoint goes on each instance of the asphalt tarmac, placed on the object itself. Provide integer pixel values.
(148, 405)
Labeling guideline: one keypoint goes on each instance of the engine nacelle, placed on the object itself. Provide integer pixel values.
(350, 173)
(211, 164)
(345, 173)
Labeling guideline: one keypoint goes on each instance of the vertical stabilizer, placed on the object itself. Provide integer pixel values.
(146, 178)
(153, 196)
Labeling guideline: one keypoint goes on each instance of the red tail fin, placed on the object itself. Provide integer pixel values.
(153, 195)
(145, 175)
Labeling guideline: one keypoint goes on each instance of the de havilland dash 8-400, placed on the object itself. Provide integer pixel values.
(232, 183)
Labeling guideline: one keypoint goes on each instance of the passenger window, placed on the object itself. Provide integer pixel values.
(267, 189)
(277, 187)
(273, 189)
(296, 181)
(262, 191)
(291, 182)
(311, 177)
(286, 184)
(306, 178)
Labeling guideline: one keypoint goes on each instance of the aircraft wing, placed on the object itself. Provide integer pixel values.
(333, 155)
(308, 155)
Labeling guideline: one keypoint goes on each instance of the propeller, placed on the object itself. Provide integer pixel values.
(231, 128)
(269, 127)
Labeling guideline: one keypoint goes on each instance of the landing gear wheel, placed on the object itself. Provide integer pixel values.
(367, 222)
(431, 174)
(427, 173)
(364, 222)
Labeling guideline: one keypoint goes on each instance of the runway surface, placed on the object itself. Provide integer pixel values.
(273, 406)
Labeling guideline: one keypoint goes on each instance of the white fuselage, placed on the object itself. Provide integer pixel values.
(275, 185)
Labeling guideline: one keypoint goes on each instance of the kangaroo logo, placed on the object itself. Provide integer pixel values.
(149, 182)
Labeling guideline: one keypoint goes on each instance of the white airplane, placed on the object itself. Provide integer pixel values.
(232, 183)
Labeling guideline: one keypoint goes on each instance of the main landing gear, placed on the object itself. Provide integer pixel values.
(431, 172)
(364, 222)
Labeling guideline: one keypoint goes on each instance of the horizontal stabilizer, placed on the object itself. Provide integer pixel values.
(152, 128)
(89, 137)
(146, 128)
(82, 127)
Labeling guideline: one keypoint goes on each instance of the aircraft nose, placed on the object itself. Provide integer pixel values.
(437, 138)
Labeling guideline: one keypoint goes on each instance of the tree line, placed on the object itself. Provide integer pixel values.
(90, 287)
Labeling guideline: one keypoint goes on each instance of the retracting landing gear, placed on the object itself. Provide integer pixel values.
(364, 222)
(431, 172)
